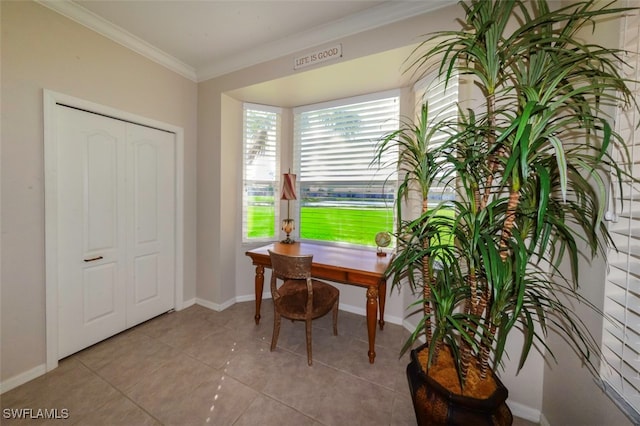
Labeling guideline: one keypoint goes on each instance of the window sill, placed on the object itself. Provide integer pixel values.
(620, 402)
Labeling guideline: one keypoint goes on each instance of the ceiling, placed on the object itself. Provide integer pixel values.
(207, 38)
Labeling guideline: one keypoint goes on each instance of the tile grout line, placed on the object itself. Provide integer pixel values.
(117, 389)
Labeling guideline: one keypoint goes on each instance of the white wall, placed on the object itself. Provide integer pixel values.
(42, 49)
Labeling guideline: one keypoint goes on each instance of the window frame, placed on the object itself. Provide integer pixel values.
(390, 185)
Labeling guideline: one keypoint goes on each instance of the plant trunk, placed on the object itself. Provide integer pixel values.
(483, 306)
(471, 308)
(477, 199)
(474, 303)
(509, 222)
(486, 350)
(426, 280)
(507, 229)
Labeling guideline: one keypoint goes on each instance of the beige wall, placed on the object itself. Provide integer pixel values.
(43, 50)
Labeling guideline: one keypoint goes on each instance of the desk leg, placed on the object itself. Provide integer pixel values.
(382, 297)
(372, 314)
(259, 284)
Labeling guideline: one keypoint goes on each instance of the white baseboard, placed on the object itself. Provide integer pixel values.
(358, 310)
(251, 297)
(187, 303)
(222, 306)
(215, 306)
(22, 378)
(544, 421)
(524, 411)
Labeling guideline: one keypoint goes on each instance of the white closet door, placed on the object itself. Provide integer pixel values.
(151, 223)
(92, 238)
(116, 186)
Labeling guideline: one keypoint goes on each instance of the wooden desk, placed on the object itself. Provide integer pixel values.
(361, 268)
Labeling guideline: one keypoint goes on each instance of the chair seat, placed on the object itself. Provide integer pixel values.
(293, 300)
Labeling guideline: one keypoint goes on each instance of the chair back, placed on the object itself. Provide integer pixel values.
(295, 299)
(289, 267)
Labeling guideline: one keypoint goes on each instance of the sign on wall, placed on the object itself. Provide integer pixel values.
(318, 56)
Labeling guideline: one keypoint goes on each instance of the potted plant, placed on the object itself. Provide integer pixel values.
(529, 167)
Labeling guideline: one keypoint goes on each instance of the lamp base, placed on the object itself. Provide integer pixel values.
(288, 241)
(287, 227)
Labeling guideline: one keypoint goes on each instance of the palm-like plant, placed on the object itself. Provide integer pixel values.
(529, 171)
(419, 165)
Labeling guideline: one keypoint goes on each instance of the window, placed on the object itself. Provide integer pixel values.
(260, 172)
(342, 197)
(620, 368)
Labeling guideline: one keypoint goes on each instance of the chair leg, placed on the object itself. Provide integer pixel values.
(276, 330)
(335, 318)
(308, 327)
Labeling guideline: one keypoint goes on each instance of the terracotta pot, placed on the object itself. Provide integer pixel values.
(435, 405)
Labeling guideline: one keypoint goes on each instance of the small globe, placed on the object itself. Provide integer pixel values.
(383, 239)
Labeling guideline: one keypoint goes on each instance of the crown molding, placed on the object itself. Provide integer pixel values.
(383, 14)
(100, 25)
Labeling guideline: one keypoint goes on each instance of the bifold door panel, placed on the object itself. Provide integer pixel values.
(116, 230)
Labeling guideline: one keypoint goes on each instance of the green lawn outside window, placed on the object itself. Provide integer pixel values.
(345, 225)
(333, 224)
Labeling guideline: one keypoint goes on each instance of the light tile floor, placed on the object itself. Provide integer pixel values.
(201, 367)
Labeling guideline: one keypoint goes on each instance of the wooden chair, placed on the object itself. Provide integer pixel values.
(300, 297)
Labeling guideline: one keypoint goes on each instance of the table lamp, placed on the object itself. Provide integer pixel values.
(288, 193)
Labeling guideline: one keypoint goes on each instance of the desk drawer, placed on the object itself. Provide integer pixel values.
(330, 274)
(348, 277)
(362, 279)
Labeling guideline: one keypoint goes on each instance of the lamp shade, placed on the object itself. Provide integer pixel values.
(288, 186)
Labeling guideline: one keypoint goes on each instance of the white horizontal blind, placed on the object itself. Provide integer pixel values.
(442, 101)
(261, 133)
(621, 334)
(343, 197)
